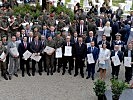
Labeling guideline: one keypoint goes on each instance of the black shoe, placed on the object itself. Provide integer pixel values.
(70, 73)
(40, 73)
(63, 73)
(87, 77)
(5, 77)
(16, 74)
(92, 78)
(22, 75)
(75, 75)
(82, 76)
(28, 74)
(10, 77)
(51, 73)
(116, 77)
(54, 70)
(58, 70)
(33, 74)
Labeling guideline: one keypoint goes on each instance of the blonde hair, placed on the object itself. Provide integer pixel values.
(108, 24)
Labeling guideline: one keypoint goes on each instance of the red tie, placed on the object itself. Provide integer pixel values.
(25, 45)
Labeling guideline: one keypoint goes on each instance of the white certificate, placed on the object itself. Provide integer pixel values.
(68, 51)
(102, 59)
(58, 53)
(66, 28)
(127, 61)
(27, 55)
(49, 50)
(35, 57)
(14, 51)
(90, 58)
(88, 45)
(3, 56)
(116, 60)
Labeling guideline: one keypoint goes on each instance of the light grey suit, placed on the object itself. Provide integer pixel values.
(13, 62)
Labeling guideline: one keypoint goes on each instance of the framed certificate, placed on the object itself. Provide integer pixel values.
(90, 58)
(68, 51)
(27, 55)
(58, 53)
(127, 61)
(116, 60)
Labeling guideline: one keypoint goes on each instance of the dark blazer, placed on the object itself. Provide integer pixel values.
(115, 43)
(107, 43)
(95, 52)
(35, 49)
(22, 49)
(80, 52)
(28, 39)
(50, 34)
(126, 54)
(84, 29)
(73, 41)
(65, 44)
(88, 40)
(120, 55)
(45, 32)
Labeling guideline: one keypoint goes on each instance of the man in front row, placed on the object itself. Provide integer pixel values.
(36, 47)
(23, 47)
(80, 49)
(91, 67)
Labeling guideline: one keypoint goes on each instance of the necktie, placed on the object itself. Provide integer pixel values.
(25, 45)
(81, 30)
(36, 43)
(91, 49)
(80, 44)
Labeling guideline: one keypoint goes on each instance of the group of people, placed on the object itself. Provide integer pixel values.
(81, 39)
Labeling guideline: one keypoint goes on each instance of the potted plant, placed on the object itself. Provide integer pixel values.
(117, 88)
(99, 89)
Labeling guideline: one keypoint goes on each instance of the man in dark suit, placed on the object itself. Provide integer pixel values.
(52, 31)
(80, 49)
(104, 41)
(91, 67)
(23, 33)
(36, 47)
(115, 69)
(22, 48)
(81, 28)
(45, 31)
(66, 58)
(30, 37)
(74, 39)
(128, 70)
(91, 38)
(115, 28)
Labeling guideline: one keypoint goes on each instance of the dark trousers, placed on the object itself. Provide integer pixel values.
(70, 61)
(91, 69)
(115, 70)
(58, 61)
(128, 73)
(43, 61)
(79, 64)
(108, 39)
(39, 66)
(22, 63)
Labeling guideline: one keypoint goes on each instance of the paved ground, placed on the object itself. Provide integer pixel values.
(56, 87)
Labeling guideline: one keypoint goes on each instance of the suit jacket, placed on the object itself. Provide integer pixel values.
(22, 49)
(73, 40)
(45, 32)
(88, 40)
(95, 52)
(65, 44)
(107, 43)
(120, 55)
(126, 54)
(78, 29)
(115, 43)
(28, 39)
(35, 49)
(80, 52)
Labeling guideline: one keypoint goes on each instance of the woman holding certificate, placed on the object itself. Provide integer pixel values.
(103, 60)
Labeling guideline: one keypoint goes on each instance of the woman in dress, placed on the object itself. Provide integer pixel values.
(103, 60)
(107, 31)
